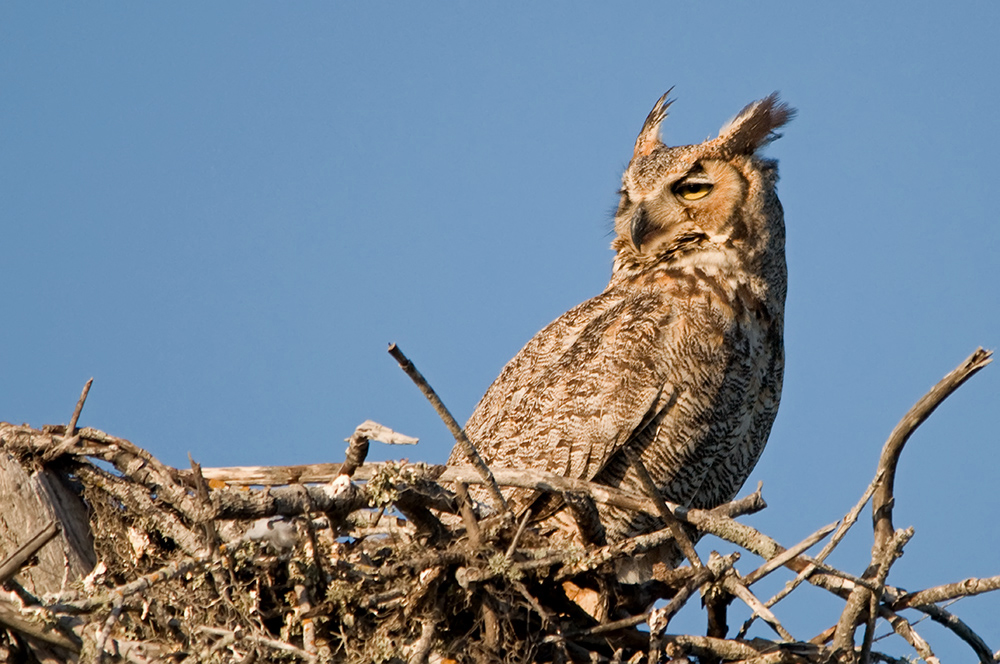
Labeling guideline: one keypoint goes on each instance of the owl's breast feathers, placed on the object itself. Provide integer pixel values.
(680, 363)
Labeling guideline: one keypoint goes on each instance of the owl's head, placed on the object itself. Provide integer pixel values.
(678, 202)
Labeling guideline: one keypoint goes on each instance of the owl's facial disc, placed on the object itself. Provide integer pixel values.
(679, 206)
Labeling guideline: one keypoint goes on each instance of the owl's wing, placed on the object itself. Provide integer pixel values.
(579, 389)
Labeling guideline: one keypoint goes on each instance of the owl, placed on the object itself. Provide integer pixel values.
(680, 359)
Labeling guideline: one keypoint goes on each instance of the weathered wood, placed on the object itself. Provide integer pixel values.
(342, 577)
(29, 501)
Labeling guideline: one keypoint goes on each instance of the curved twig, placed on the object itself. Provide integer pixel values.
(882, 502)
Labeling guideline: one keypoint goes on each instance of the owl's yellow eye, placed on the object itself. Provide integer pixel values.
(692, 191)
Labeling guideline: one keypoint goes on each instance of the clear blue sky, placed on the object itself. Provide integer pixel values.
(225, 212)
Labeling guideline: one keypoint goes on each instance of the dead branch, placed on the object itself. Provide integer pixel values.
(862, 599)
(467, 447)
(12, 619)
(845, 525)
(673, 524)
(738, 589)
(947, 591)
(16, 559)
(905, 630)
(359, 562)
(960, 629)
(71, 427)
(357, 448)
(787, 555)
(882, 504)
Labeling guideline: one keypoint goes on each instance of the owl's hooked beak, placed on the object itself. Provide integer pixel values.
(639, 226)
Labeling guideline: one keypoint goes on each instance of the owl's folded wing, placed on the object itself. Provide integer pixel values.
(578, 390)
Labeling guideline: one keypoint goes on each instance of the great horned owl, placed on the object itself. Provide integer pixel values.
(680, 358)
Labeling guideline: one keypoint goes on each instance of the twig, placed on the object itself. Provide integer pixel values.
(748, 504)
(71, 427)
(517, 535)
(845, 525)
(893, 550)
(536, 606)
(422, 646)
(861, 598)
(736, 588)
(174, 570)
(463, 440)
(676, 529)
(782, 558)
(201, 493)
(702, 575)
(105, 631)
(905, 630)
(262, 640)
(468, 517)
(357, 448)
(946, 592)
(882, 503)
(16, 560)
(383, 434)
(64, 446)
(960, 629)
(706, 645)
(662, 616)
(596, 557)
(303, 610)
(521, 478)
(10, 618)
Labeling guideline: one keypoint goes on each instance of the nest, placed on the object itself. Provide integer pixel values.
(394, 562)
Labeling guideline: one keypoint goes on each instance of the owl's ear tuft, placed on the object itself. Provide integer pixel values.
(649, 137)
(754, 126)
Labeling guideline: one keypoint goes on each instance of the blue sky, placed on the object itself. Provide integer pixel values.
(224, 213)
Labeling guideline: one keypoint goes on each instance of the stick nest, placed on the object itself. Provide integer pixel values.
(393, 562)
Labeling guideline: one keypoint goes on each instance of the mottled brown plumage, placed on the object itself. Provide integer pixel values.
(680, 358)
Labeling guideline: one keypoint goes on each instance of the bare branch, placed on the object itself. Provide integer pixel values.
(383, 434)
(862, 600)
(735, 587)
(274, 644)
(422, 647)
(661, 617)
(71, 427)
(517, 535)
(468, 517)
(882, 504)
(845, 525)
(946, 592)
(109, 623)
(687, 548)
(10, 618)
(905, 630)
(467, 447)
(961, 630)
(782, 558)
(13, 563)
